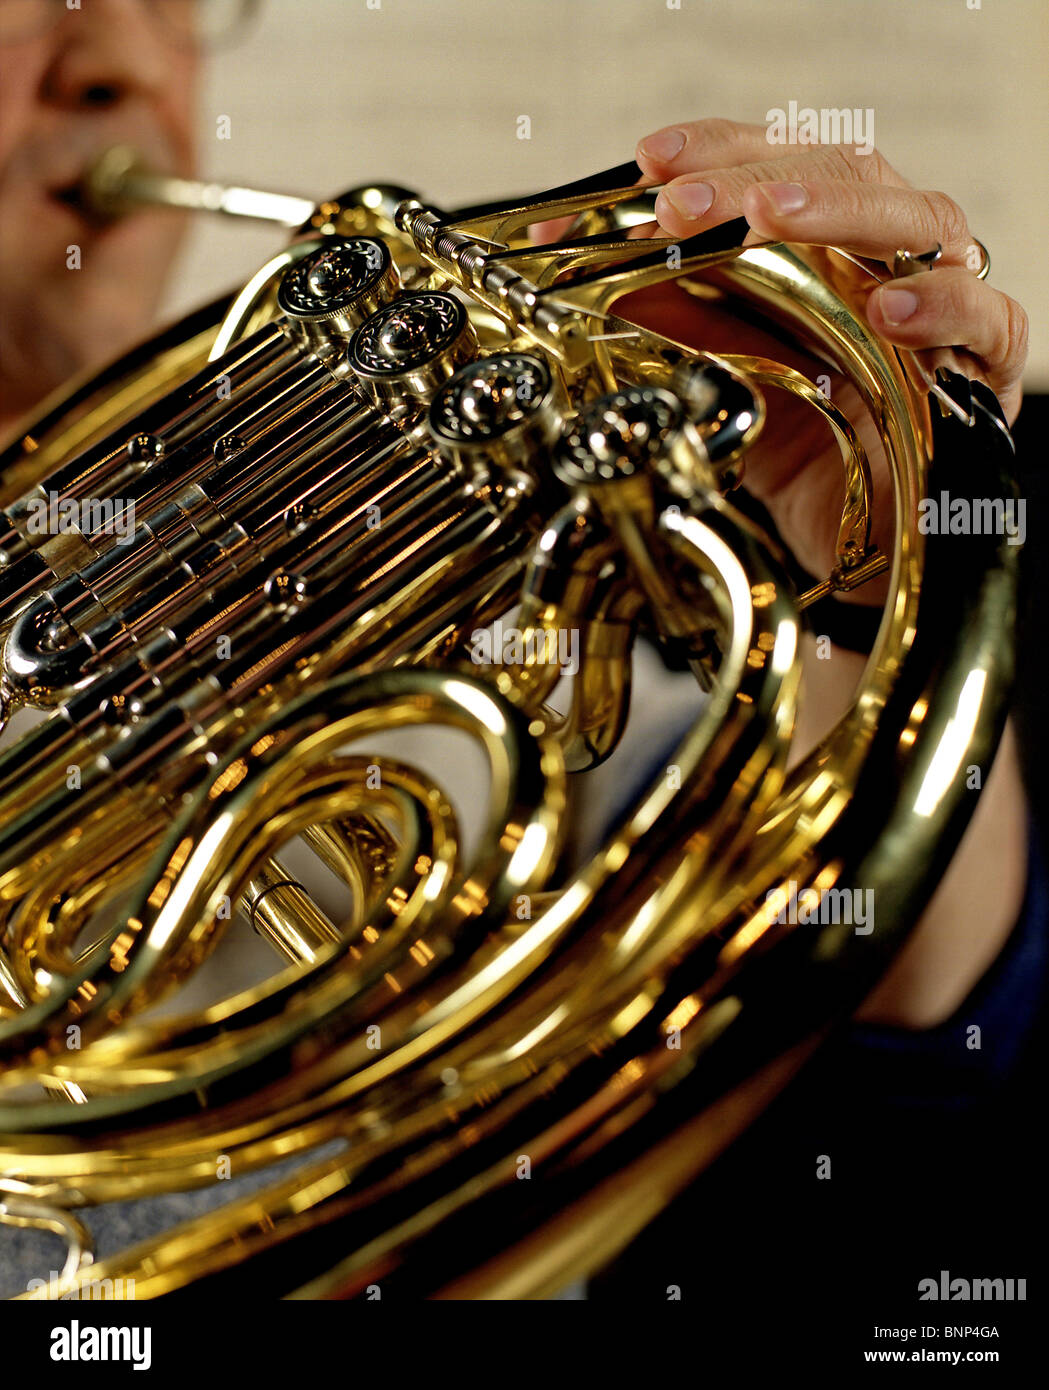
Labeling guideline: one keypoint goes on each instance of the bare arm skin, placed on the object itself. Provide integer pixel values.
(978, 901)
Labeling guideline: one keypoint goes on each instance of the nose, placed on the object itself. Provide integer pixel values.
(107, 52)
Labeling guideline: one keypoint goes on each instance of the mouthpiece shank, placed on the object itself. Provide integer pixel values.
(119, 181)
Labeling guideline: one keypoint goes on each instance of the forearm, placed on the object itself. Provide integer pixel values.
(978, 900)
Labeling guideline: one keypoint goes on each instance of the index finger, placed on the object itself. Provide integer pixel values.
(714, 143)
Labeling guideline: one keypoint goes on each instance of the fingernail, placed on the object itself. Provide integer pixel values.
(690, 199)
(897, 305)
(785, 197)
(664, 145)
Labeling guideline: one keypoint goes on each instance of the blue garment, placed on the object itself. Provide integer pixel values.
(938, 1066)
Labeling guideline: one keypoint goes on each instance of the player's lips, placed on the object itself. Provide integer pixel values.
(57, 164)
(60, 215)
(63, 208)
(71, 196)
(70, 191)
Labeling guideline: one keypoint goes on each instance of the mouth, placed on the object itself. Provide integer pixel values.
(93, 191)
(74, 198)
(92, 182)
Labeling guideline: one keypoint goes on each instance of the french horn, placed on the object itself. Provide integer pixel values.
(498, 1065)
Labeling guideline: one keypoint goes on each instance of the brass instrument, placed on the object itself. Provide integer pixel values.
(496, 1068)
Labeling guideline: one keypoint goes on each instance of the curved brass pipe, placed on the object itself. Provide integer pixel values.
(465, 1015)
(567, 997)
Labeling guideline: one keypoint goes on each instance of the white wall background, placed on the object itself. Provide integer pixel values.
(323, 94)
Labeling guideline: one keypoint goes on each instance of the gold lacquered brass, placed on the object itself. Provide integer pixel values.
(472, 1018)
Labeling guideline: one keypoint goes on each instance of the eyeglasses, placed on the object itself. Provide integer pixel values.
(198, 22)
